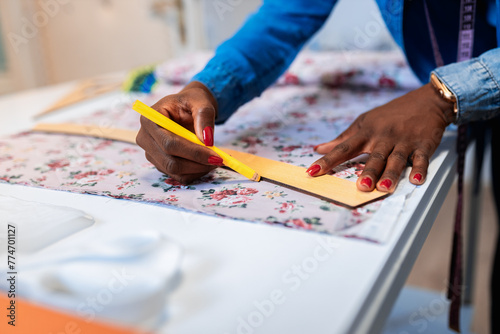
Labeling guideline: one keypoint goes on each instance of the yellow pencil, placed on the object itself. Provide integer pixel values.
(179, 130)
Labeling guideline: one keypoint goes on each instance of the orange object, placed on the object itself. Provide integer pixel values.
(34, 319)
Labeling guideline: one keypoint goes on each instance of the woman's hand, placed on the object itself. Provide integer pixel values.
(195, 109)
(407, 129)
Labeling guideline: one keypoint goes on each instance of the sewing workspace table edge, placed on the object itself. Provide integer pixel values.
(385, 267)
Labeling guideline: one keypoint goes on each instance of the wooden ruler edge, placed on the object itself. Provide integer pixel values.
(129, 136)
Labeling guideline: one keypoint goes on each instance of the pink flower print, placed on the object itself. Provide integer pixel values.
(291, 79)
(6, 158)
(386, 82)
(126, 185)
(343, 173)
(338, 79)
(235, 200)
(172, 182)
(286, 207)
(58, 164)
(251, 141)
(94, 173)
(207, 178)
(298, 114)
(102, 145)
(148, 165)
(290, 148)
(220, 195)
(358, 167)
(247, 191)
(311, 99)
(84, 175)
(129, 150)
(300, 223)
(20, 135)
(356, 213)
(53, 152)
(106, 172)
(272, 125)
(171, 199)
(237, 197)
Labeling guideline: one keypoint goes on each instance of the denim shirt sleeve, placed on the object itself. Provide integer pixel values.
(476, 84)
(246, 64)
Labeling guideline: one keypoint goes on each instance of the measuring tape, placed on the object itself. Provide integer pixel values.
(464, 52)
(466, 30)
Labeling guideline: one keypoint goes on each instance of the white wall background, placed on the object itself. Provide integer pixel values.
(4, 82)
(354, 24)
(3, 60)
(92, 37)
(52, 41)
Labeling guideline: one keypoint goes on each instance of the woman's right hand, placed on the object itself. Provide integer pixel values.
(194, 108)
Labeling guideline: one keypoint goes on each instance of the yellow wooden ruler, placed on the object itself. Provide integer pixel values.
(167, 123)
(326, 187)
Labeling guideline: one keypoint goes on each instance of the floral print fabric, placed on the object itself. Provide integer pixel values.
(284, 124)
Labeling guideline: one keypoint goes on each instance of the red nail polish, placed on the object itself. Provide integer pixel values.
(313, 170)
(386, 183)
(208, 136)
(216, 161)
(316, 147)
(366, 181)
(417, 177)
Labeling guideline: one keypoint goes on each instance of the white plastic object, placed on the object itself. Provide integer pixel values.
(38, 225)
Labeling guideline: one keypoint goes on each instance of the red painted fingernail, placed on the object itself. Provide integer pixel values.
(316, 147)
(386, 183)
(366, 181)
(208, 136)
(417, 177)
(216, 161)
(313, 170)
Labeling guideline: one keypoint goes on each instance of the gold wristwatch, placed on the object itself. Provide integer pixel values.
(445, 93)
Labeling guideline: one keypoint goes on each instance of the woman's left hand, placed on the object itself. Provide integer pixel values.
(407, 129)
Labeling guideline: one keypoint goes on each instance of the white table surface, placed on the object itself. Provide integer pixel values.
(229, 266)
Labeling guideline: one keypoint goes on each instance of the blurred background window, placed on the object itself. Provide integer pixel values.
(5, 82)
(52, 41)
(354, 25)
(3, 59)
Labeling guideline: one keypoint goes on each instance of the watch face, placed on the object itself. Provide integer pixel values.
(442, 89)
(445, 94)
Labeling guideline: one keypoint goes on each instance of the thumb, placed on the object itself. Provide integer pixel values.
(204, 120)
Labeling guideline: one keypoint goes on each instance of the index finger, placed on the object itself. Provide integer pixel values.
(174, 145)
(344, 151)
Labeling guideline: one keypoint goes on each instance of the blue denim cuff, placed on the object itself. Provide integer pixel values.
(228, 77)
(475, 84)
